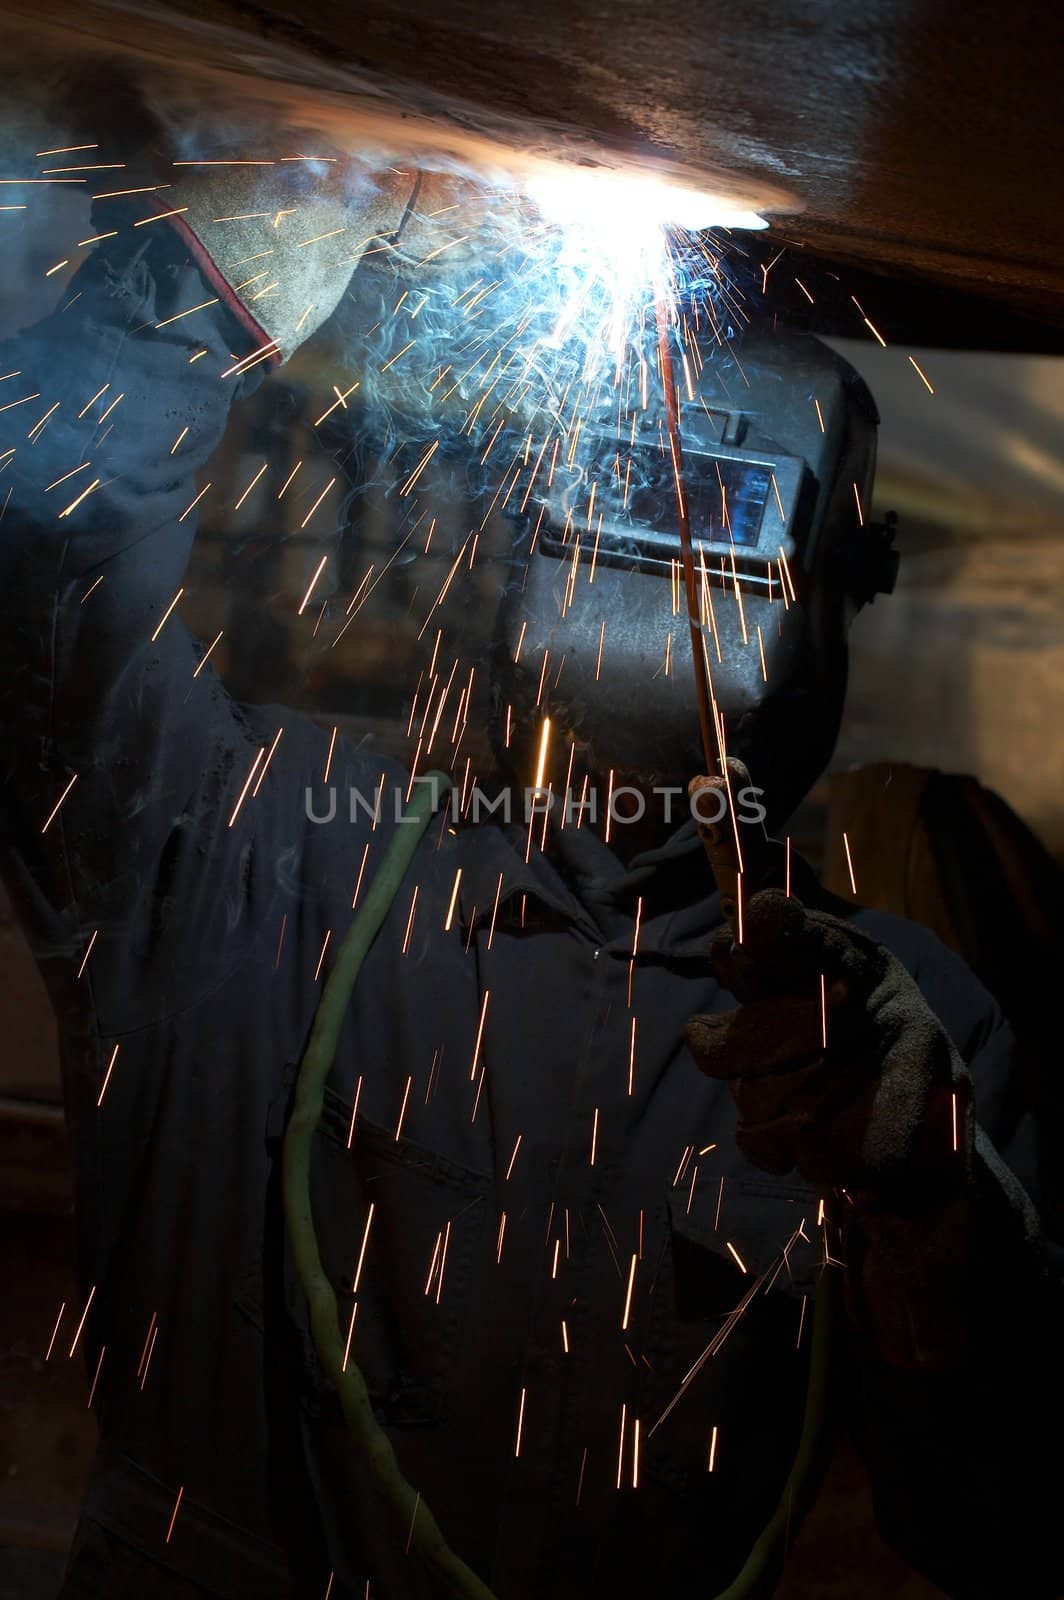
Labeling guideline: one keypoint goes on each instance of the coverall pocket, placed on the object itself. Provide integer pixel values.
(399, 1228)
(725, 1324)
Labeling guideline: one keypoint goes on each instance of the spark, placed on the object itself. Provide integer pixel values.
(55, 1331)
(88, 953)
(206, 653)
(202, 306)
(316, 504)
(738, 1257)
(480, 1033)
(302, 245)
(361, 871)
(263, 353)
(419, 469)
(520, 1422)
(96, 1378)
(541, 763)
(849, 862)
(321, 958)
(328, 758)
(495, 910)
(449, 918)
(113, 194)
(823, 1011)
(98, 166)
(266, 763)
(628, 1295)
(354, 1112)
(362, 1249)
(395, 358)
(787, 573)
(150, 1353)
(107, 1075)
(38, 427)
(160, 216)
(410, 920)
(166, 614)
(24, 400)
(250, 486)
(598, 659)
(55, 809)
(319, 569)
(194, 503)
(173, 1519)
(81, 1324)
(712, 1450)
(402, 1108)
(682, 1168)
(922, 375)
(247, 786)
(413, 1519)
(341, 400)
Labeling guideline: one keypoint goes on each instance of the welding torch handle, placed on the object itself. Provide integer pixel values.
(720, 837)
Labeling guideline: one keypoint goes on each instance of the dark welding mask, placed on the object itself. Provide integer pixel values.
(778, 461)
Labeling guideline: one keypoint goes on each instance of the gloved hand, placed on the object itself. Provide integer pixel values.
(875, 1111)
(279, 240)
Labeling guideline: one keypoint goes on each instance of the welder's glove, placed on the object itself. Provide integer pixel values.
(280, 240)
(874, 1112)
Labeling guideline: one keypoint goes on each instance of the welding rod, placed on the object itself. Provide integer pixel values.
(694, 617)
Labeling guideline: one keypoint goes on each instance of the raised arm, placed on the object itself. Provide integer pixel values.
(120, 760)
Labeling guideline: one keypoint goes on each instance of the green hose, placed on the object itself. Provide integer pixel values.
(426, 1540)
(412, 1515)
(762, 1568)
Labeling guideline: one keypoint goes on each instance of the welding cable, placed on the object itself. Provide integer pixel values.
(761, 1570)
(762, 1567)
(411, 1512)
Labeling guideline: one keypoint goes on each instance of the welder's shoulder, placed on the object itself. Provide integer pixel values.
(968, 1012)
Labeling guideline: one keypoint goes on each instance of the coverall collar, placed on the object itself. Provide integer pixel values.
(581, 879)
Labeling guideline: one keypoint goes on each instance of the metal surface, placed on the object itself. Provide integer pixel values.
(917, 140)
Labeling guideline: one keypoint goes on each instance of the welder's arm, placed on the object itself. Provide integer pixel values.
(957, 1450)
(122, 759)
(99, 717)
(953, 1312)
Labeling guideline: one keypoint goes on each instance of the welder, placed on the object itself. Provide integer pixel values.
(575, 1267)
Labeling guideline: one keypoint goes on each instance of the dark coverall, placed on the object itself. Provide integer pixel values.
(492, 1285)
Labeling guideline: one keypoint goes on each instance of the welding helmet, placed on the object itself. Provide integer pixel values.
(778, 440)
